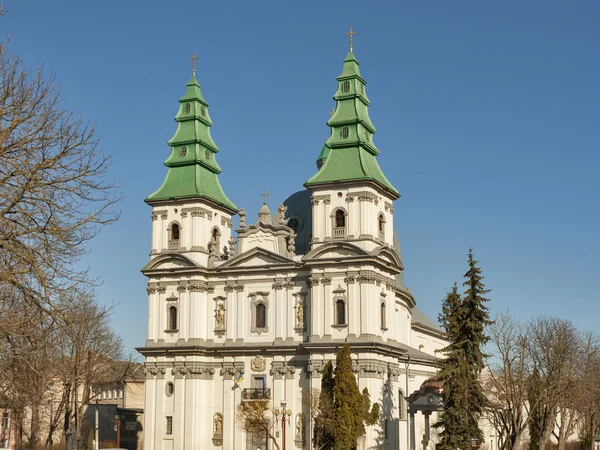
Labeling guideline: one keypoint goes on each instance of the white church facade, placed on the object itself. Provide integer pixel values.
(254, 312)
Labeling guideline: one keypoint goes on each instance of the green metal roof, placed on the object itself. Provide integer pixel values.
(192, 165)
(350, 152)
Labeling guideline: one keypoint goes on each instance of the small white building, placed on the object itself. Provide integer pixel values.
(257, 314)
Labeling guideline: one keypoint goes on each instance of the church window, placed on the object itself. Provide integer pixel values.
(402, 405)
(172, 318)
(381, 225)
(169, 426)
(261, 315)
(339, 223)
(294, 224)
(340, 219)
(174, 234)
(182, 152)
(345, 132)
(169, 389)
(346, 87)
(340, 312)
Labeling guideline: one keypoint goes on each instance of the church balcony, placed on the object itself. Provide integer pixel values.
(173, 244)
(256, 394)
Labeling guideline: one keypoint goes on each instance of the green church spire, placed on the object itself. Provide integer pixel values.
(351, 153)
(192, 166)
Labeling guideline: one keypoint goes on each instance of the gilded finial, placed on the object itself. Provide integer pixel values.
(264, 195)
(351, 33)
(193, 59)
(332, 111)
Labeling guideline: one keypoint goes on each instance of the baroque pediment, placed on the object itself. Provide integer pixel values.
(169, 261)
(256, 257)
(336, 250)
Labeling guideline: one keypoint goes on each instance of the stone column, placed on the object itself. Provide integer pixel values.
(327, 306)
(317, 219)
(150, 394)
(353, 216)
(353, 300)
(183, 312)
(426, 435)
(316, 307)
(155, 233)
(179, 431)
(278, 310)
(230, 313)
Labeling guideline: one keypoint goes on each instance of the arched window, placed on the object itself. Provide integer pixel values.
(383, 316)
(261, 315)
(402, 405)
(340, 312)
(339, 224)
(381, 223)
(174, 237)
(340, 219)
(172, 318)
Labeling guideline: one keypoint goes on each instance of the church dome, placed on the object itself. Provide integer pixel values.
(299, 218)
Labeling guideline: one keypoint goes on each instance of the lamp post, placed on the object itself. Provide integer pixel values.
(285, 419)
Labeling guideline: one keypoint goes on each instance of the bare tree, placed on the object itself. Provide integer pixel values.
(505, 381)
(254, 418)
(552, 345)
(54, 196)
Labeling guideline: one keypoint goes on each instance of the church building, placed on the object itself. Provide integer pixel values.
(250, 309)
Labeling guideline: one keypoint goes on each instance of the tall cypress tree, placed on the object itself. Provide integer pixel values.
(351, 407)
(464, 320)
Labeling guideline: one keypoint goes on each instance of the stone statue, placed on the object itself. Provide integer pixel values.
(220, 316)
(281, 214)
(300, 314)
(218, 424)
(300, 426)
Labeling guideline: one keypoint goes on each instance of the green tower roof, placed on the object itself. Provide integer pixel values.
(192, 165)
(351, 153)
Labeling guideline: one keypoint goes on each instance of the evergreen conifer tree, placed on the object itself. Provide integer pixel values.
(464, 320)
(352, 409)
(324, 422)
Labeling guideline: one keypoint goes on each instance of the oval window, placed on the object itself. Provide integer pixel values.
(169, 389)
(346, 87)
(345, 132)
(186, 108)
(182, 152)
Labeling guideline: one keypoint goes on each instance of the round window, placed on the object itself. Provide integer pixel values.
(182, 152)
(169, 389)
(294, 224)
(186, 108)
(346, 87)
(345, 132)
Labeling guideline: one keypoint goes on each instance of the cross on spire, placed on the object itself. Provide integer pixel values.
(193, 59)
(264, 195)
(332, 111)
(351, 33)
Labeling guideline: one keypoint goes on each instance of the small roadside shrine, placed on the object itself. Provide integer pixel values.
(429, 398)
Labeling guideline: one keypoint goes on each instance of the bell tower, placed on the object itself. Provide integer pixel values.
(190, 212)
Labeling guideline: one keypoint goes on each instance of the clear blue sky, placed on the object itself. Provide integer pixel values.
(487, 116)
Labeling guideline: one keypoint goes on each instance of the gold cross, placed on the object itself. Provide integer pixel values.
(264, 194)
(332, 111)
(193, 59)
(351, 33)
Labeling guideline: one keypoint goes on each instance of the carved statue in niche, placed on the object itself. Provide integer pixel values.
(300, 314)
(218, 424)
(300, 426)
(258, 364)
(220, 316)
